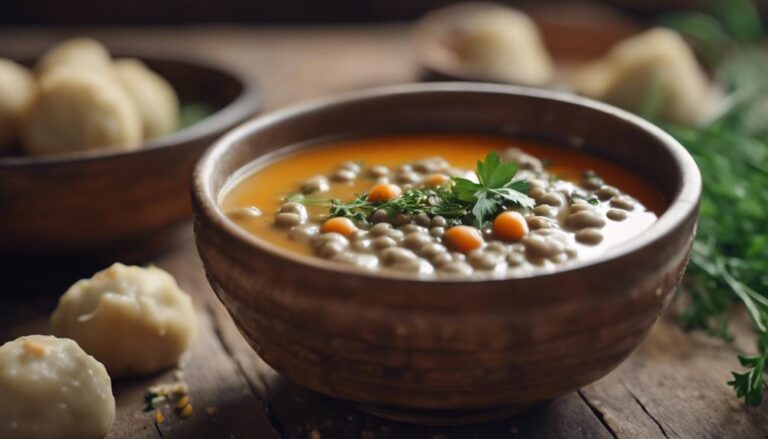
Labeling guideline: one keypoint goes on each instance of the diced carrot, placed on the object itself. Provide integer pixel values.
(341, 225)
(384, 192)
(463, 238)
(510, 226)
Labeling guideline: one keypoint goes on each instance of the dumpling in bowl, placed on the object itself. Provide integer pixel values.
(76, 110)
(16, 89)
(152, 95)
(655, 64)
(81, 53)
(135, 320)
(499, 43)
(50, 388)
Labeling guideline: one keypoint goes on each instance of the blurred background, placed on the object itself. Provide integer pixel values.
(79, 12)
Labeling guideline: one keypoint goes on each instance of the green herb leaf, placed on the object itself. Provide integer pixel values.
(706, 32)
(485, 169)
(485, 206)
(518, 185)
(741, 18)
(502, 175)
(465, 189)
(514, 197)
(750, 385)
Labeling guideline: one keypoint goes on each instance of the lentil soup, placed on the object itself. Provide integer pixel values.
(397, 204)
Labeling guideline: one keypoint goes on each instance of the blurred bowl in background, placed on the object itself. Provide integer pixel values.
(93, 202)
(570, 36)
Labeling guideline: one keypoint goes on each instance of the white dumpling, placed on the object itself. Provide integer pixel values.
(50, 388)
(84, 53)
(152, 95)
(76, 110)
(16, 89)
(657, 62)
(135, 320)
(503, 44)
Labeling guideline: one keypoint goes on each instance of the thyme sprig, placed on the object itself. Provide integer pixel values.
(431, 201)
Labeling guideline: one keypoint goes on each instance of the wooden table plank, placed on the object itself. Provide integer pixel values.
(215, 382)
(673, 386)
(301, 412)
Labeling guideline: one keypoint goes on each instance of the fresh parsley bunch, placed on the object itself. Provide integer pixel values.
(729, 261)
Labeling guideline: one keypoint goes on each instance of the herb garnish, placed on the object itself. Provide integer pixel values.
(496, 188)
(729, 261)
(460, 201)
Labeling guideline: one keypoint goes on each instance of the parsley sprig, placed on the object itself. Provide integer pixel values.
(461, 201)
(749, 385)
(729, 260)
(496, 188)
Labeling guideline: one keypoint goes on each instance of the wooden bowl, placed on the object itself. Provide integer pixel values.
(94, 202)
(439, 350)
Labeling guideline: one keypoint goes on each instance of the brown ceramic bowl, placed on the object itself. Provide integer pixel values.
(442, 350)
(97, 201)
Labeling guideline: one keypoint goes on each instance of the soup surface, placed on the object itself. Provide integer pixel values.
(410, 204)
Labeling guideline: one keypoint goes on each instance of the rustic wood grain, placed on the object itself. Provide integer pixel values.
(301, 411)
(213, 376)
(677, 382)
(674, 382)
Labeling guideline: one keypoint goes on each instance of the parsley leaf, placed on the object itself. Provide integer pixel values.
(496, 188)
(485, 206)
(514, 197)
(466, 189)
(750, 385)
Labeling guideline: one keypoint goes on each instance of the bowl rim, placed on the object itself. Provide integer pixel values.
(682, 206)
(247, 103)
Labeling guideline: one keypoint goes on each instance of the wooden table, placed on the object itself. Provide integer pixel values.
(672, 386)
